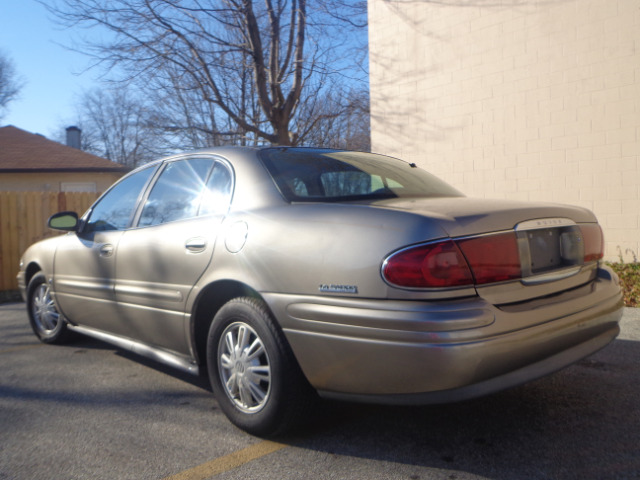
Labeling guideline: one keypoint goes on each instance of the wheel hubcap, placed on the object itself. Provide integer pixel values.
(44, 311)
(244, 367)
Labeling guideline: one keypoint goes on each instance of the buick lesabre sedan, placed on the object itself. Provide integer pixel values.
(287, 272)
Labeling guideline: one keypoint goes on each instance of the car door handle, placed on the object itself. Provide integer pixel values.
(106, 250)
(196, 244)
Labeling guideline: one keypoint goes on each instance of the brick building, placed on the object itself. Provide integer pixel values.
(523, 99)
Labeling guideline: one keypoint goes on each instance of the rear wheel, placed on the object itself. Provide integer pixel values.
(47, 323)
(253, 373)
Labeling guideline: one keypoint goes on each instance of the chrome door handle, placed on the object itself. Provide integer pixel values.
(196, 244)
(106, 250)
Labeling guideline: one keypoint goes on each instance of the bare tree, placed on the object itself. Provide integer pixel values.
(339, 119)
(114, 125)
(250, 65)
(10, 85)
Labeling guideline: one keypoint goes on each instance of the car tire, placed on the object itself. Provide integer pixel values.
(47, 323)
(254, 375)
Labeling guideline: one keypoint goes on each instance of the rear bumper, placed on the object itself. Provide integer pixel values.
(414, 352)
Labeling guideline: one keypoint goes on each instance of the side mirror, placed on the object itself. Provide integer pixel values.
(66, 221)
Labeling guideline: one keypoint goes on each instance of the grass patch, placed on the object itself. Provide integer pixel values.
(629, 274)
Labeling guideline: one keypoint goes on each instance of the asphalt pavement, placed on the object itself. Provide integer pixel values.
(90, 411)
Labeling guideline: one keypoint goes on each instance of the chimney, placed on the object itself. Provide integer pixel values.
(73, 137)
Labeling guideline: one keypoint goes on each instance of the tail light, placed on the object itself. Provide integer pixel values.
(493, 258)
(593, 242)
(433, 265)
(457, 263)
(475, 261)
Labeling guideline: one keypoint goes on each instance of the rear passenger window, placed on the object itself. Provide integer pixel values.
(217, 196)
(177, 192)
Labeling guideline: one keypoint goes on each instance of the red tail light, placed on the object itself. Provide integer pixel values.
(493, 258)
(434, 265)
(474, 261)
(593, 242)
(480, 260)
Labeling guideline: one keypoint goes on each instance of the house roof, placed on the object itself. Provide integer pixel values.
(22, 151)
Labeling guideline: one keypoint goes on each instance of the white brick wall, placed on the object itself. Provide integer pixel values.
(527, 99)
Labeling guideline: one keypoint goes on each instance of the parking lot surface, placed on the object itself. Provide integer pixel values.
(91, 411)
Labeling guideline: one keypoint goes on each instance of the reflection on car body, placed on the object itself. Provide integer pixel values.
(290, 272)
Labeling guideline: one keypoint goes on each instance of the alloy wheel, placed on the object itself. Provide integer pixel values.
(244, 367)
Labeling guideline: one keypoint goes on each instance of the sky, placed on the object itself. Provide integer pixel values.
(54, 77)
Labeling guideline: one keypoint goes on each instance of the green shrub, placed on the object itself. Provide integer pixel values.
(629, 274)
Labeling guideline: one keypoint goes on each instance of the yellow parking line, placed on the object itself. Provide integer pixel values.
(228, 462)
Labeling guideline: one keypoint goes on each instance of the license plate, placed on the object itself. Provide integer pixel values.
(544, 249)
(554, 248)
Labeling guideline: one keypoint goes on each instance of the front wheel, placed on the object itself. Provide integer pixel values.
(253, 373)
(46, 322)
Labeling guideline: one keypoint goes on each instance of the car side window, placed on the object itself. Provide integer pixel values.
(177, 192)
(116, 207)
(217, 195)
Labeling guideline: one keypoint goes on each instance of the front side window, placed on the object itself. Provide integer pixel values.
(116, 208)
(309, 175)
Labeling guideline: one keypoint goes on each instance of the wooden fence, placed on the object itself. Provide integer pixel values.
(23, 221)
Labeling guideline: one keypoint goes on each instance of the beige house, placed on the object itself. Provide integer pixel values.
(30, 162)
(526, 99)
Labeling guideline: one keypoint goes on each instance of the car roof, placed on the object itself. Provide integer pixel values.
(234, 153)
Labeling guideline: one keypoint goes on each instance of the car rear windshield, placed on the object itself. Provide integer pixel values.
(308, 175)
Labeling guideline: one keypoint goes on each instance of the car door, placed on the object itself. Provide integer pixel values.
(84, 264)
(160, 260)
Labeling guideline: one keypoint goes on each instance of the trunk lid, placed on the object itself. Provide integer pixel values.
(462, 216)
